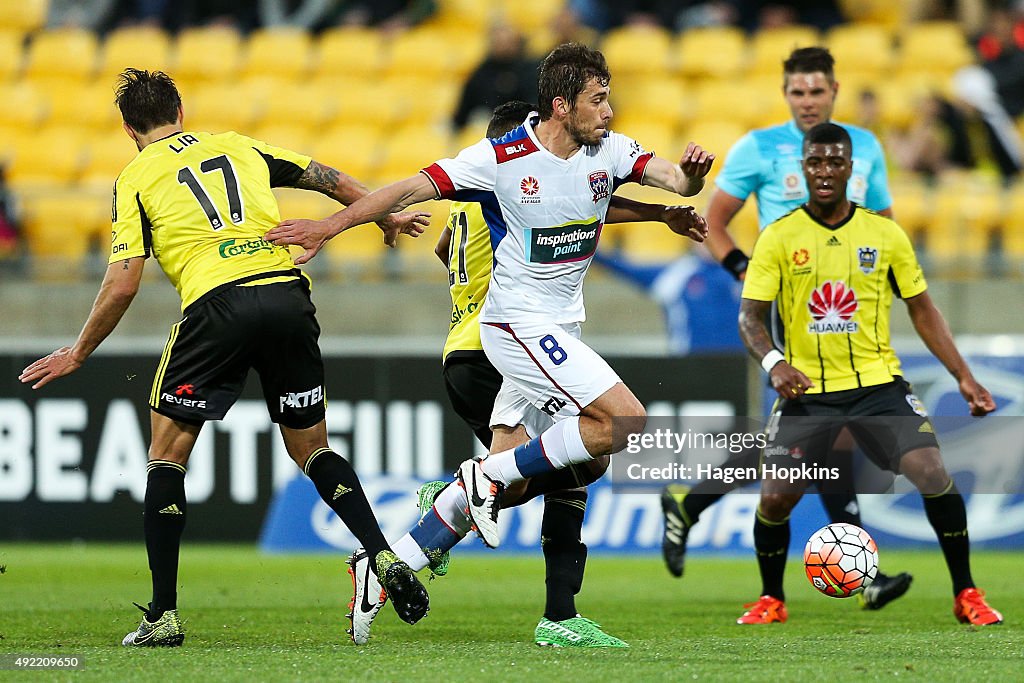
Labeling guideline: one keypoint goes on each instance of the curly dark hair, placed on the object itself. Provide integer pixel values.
(147, 99)
(565, 73)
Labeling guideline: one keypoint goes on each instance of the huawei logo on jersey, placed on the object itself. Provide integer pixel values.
(832, 306)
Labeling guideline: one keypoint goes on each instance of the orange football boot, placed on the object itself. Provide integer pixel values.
(970, 608)
(766, 610)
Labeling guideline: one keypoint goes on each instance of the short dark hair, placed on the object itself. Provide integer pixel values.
(507, 116)
(565, 73)
(807, 60)
(826, 134)
(147, 99)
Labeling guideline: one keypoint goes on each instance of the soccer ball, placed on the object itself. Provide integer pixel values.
(841, 560)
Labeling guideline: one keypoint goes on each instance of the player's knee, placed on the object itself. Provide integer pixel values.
(630, 418)
(775, 507)
(592, 470)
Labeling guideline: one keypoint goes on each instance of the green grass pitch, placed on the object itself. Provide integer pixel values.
(250, 616)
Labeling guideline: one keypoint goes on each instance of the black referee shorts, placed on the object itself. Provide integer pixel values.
(472, 384)
(886, 421)
(270, 328)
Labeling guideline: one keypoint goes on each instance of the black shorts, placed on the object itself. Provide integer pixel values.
(886, 421)
(270, 328)
(472, 384)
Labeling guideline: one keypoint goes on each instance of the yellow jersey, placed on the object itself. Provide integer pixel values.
(834, 286)
(200, 204)
(469, 274)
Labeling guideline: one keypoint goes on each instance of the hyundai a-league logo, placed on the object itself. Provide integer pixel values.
(600, 186)
(868, 257)
(529, 186)
(832, 306)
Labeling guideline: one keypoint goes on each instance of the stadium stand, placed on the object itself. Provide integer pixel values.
(378, 105)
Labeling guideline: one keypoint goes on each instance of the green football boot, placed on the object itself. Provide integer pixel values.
(575, 632)
(163, 632)
(427, 493)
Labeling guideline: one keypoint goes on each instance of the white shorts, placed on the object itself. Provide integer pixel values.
(545, 368)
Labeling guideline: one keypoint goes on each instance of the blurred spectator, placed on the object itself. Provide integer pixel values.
(303, 14)
(505, 74)
(95, 15)
(700, 300)
(387, 15)
(10, 230)
(756, 15)
(995, 90)
(174, 15)
(936, 140)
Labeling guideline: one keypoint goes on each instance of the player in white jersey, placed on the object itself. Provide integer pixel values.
(544, 189)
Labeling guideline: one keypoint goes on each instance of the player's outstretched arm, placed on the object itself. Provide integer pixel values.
(682, 220)
(787, 380)
(934, 332)
(443, 247)
(686, 179)
(120, 284)
(345, 189)
(312, 235)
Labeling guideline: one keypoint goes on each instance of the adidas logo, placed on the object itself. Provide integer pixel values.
(171, 509)
(340, 491)
(833, 241)
(926, 428)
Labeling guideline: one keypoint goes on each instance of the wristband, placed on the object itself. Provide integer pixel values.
(771, 359)
(736, 262)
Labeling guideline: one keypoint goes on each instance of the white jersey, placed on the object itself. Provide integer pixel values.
(545, 216)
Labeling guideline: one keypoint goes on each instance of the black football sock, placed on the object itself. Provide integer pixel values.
(948, 516)
(163, 521)
(565, 555)
(771, 542)
(572, 477)
(838, 496)
(710, 491)
(338, 484)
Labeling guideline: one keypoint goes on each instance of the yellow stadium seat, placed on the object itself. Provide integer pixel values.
(937, 47)
(967, 212)
(86, 105)
(354, 149)
(1013, 224)
(279, 53)
(405, 104)
(409, 150)
(23, 15)
(638, 51)
(347, 51)
(9, 136)
(769, 48)
(350, 107)
(51, 158)
(744, 227)
(766, 94)
(218, 108)
(715, 100)
(105, 158)
(62, 55)
(719, 52)
(138, 47)
(717, 137)
(10, 55)
(530, 15)
(420, 52)
(467, 16)
(860, 49)
(657, 100)
(60, 229)
(24, 106)
(466, 52)
(656, 137)
(287, 135)
(912, 206)
(298, 103)
(208, 54)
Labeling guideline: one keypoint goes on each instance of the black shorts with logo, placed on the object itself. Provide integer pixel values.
(472, 384)
(886, 421)
(270, 328)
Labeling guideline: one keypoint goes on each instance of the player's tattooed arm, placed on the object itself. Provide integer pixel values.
(786, 379)
(331, 182)
(752, 328)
